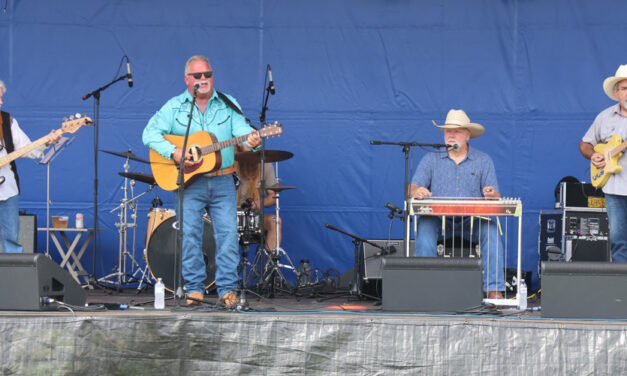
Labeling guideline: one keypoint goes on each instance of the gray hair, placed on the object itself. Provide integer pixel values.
(194, 58)
(3, 87)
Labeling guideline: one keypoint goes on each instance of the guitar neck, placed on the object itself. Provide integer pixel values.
(223, 144)
(20, 152)
(619, 148)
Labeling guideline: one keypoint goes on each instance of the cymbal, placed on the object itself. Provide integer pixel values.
(126, 154)
(271, 156)
(278, 187)
(138, 176)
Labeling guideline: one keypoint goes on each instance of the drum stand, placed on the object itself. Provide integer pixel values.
(119, 276)
(272, 276)
(246, 238)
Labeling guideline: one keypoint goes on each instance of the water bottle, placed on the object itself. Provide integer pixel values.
(522, 291)
(159, 295)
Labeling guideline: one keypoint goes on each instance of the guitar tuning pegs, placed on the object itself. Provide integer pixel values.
(71, 117)
(65, 118)
(77, 115)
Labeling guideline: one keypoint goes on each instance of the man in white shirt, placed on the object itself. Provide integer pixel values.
(13, 138)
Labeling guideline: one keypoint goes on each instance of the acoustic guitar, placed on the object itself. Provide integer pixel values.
(612, 151)
(206, 155)
(68, 126)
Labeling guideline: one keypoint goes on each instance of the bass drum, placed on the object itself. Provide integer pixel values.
(160, 252)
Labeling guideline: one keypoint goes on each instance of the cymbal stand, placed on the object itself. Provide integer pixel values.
(119, 276)
(273, 265)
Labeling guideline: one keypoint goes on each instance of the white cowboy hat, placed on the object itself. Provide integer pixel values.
(459, 119)
(608, 84)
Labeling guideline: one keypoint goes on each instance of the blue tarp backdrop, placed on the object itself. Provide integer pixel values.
(346, 72)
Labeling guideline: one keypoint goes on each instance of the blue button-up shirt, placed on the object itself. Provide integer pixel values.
(218, 119)
(439, 173)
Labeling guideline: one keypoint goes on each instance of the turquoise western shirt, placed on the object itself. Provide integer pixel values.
(172, 118)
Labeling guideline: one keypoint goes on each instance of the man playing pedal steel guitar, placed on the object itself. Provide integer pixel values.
(220, 115)
(612, 122)
(461, 172)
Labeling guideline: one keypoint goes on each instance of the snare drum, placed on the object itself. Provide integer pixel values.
(160, 256)
(248, 222)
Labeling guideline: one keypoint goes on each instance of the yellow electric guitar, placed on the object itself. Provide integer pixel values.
(206, 155)
(68, 126)
(612, 151)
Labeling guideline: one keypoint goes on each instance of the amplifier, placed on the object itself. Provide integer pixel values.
(27, 236)
(370, 257)
(574, 235)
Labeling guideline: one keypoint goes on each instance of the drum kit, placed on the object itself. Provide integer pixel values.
(161, 235)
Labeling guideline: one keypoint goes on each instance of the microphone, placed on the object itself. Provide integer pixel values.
(1, 179)
(271, 86)
(386, 251)
(393, 208)
(196, 87)
(130, 77)
(455, 146)
(373, 142)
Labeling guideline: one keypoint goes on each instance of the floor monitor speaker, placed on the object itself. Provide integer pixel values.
(26, 279)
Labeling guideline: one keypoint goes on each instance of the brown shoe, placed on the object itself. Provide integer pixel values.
(229, 300)
(194, 295)
(494, 295)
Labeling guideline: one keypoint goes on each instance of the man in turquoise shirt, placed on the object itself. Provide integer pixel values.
(215, 191)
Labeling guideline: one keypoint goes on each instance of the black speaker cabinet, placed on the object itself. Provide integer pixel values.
(25, 279)
(584, 290)
(371, 257)
(28, 232)
(431, 284)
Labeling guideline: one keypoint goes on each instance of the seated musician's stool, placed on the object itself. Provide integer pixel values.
(458, 247)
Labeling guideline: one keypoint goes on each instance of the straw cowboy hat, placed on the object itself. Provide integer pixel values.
(459, 119)
(608, 84)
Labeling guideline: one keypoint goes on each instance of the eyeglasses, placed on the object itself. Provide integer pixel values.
(199, 75)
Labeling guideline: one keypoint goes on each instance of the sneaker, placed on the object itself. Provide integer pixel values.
(195, 295)
(229, 300)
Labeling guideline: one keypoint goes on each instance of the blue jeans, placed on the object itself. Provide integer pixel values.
(217, 194)
(484, 232)
(10, 225)
(617, 216)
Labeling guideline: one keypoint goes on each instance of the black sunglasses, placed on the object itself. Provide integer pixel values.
(198, 75)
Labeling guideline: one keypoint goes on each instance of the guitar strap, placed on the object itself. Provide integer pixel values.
(5, 129)
(229, 103)
(1, 133)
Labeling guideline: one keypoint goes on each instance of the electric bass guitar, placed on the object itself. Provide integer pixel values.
(68, 126)
(206, 155)
(612, 151)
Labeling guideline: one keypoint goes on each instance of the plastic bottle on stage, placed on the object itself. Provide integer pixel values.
(522, 291)
(159, 295)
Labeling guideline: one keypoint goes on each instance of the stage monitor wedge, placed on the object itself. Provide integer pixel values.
(26, 279)
(594, 290)
(431, 284)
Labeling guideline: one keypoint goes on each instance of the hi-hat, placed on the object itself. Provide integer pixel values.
(126, 154)
(138, 176)
(270, 155)
(278, 187)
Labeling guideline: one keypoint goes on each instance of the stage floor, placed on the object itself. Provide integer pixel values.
(289, 335)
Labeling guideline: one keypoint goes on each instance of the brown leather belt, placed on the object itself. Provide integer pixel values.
(224, 171)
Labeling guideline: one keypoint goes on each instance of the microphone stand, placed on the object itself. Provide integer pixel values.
(96, 94)
(356, 288)
(262, 149)
(178, 253)
(406, 148)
